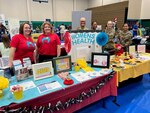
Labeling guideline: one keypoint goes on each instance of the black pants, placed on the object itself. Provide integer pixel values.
(45, 58)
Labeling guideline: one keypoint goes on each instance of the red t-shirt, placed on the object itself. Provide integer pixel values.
(24, 47)
(47, 44)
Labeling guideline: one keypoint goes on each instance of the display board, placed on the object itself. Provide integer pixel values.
(83, 43)
(76, 15)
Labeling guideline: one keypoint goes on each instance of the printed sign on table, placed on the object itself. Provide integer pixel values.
(141, 48)
(42, 70)
(132, 49)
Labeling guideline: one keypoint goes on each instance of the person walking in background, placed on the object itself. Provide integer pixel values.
(135, 29)
(5, 46)
(62, 30)
(22, 45)
(48, 44)
(3, 30)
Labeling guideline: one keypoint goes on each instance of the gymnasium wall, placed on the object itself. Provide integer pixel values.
(104, 13)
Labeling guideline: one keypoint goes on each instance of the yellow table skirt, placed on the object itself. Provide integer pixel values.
(133, 71)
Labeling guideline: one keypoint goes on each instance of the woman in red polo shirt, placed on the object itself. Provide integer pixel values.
(48, 43)
(22, 45)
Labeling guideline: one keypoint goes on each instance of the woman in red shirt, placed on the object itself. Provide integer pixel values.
(48, 43)
(22, 45)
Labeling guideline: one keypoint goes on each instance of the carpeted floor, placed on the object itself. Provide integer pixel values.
(126, 95)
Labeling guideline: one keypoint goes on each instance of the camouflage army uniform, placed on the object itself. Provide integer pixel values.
(125, 38)
(110, 43)
(79, 28)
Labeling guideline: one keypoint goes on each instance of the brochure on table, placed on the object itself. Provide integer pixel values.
(48, 86)
(4, 62)
(42, 70)
(26, 85)
(81, 77)
(24, 71)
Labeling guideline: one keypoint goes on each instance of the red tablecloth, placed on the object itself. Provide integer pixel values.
(109, 89)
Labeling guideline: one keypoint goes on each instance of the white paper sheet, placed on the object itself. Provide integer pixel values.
(94, 74)
(82, 52)
(80, 76)
(105, 71)
(48, 86)
(26, 85)
(144, 58)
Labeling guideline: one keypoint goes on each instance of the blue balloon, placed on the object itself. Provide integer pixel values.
(102, 39)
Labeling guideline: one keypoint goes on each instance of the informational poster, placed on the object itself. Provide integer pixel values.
(62, 64)
(132, 49)
(42, 70)
(100, 60)
(83, 44)
(141, 48)
(13, 26)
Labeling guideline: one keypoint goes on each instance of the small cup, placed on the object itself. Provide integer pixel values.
(76, 68)
(1, 94)
(18, 94)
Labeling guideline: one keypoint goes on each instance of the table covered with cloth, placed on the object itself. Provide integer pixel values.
(134, 70)
(33, 98)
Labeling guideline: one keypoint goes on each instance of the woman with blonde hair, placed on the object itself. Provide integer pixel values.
(5, 45)
(48, 43)
(109, 47)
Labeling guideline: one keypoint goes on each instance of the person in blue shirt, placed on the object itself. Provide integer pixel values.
(135, 28)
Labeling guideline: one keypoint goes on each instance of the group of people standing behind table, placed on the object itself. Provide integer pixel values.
(22, 46)
(48, 43)
(123, 37)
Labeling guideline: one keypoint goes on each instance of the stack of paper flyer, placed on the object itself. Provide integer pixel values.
(80, 76)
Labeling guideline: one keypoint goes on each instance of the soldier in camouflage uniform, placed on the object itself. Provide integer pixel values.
(125, 37)
(109, 47)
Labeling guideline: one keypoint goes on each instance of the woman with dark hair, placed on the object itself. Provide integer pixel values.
(94, 25)
(3, 30)
(48, 44)
(5, 45)
(22, 45)
(125, 37)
